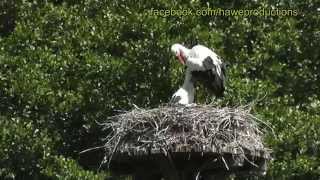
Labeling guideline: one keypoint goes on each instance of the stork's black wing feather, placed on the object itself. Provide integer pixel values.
(208, 63)
(175, 100)
(210, 78)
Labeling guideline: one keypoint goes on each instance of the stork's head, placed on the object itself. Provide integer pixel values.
(179, 52)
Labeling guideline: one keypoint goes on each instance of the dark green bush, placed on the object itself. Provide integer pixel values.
(66, 64)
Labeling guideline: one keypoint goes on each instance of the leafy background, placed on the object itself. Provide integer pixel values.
(66, 64)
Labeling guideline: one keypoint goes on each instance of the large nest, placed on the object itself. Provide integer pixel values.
(200, 128)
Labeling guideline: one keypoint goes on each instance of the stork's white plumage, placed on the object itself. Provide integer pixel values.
(184, 95)
(205, 66)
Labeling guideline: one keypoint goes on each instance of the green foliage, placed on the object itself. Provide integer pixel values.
(66, 64)
(295, 142)
(28, 152)
(58, 167)
(22, 147)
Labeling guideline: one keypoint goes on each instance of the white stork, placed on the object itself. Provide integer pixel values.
(205, 66)
(184, 95)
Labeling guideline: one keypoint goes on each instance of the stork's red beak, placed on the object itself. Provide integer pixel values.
(181, 58)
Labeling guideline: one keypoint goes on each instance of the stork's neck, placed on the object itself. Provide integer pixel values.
(188, 84)
(185, 50)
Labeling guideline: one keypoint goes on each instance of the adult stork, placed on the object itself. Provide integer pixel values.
(205, 66)
(185, 94)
